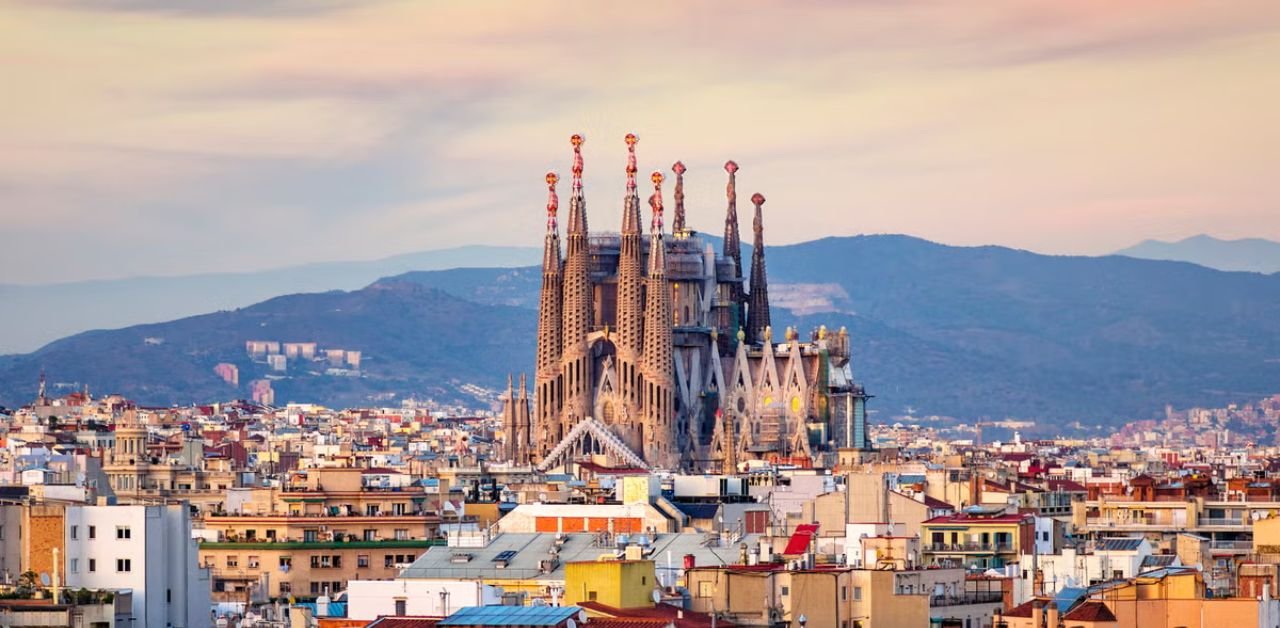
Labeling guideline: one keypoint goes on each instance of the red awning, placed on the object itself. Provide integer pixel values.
(799, 543)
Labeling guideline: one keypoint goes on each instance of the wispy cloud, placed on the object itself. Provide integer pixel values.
(141, 129)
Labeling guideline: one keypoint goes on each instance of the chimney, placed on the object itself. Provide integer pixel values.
(1052, 617)
(1037, 583)
(1037, 614)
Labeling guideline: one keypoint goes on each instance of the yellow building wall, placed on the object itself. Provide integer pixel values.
(617, 583)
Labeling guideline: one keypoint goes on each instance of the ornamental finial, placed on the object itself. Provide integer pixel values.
(631, 140)
(677, 225)
(757, 199)
(731, 190)
(577, 141)
(655, 201)
(553, 201)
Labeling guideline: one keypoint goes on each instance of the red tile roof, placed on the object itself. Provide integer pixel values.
(1091, 610)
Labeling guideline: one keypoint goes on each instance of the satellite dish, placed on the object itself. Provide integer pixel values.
(571, 623)
(582, 616)
(657, 596)
(44, 579)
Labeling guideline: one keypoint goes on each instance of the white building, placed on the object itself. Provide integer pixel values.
(421, 597)
(147, 549)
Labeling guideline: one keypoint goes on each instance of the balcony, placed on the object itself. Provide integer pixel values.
(1132, 522)
(1236, 546)
(969, 597)
(984, 548)
(1225, 522)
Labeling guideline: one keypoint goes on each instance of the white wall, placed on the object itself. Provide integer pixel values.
(369, 599)
(169, 588)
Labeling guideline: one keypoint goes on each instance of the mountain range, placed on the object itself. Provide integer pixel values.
(961, 331)
(37, 314)
(1248, 254)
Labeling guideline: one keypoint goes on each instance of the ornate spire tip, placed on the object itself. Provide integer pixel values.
(678, 168)
(731, 166)
(757, 199)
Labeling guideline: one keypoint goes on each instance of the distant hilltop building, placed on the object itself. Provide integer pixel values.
(653, 353)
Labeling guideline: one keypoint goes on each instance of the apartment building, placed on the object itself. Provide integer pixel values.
(982, 537)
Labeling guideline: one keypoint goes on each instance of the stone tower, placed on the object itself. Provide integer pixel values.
(661, 440)
(758, 308)
(577, 369)
(733, 252)
(516, 423)
(629, 340)
(550, 342)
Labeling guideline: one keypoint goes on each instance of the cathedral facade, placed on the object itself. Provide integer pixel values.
(654, 351)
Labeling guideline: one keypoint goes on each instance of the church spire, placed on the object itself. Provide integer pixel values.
(547, 371)
(660, 436)
(577, 316)
(630, 307)
(758, 310)
(677, 223)
(733, 251)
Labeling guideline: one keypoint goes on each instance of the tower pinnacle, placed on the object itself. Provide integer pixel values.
(677, 223)
(733, 251)
(631, 140)
(553, 201)
(655, 202)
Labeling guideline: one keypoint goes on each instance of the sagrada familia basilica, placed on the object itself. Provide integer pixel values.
(652, 353)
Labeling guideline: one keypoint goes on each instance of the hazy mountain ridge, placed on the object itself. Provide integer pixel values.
(1246, 254)
(965, 331)
(36, 314)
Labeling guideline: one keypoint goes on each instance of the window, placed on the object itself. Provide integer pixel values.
(397, 508)
(388, 561)
(362, 560)
(591, 596)
(271, 535)
(844, 593)
(251, 535)
(75, 532)
(370, 535)
(286, 562)
(93, 565)
(124, 564)
(371, 510)
(705, 589)
(168, 596)
(253, 562)
(402, 534)
(401, 608)
(123, 532)
(75, 565)
(310, 536)
(286, 588)
(857, 594)
(233, 561)
(786, 590)
(93, 532)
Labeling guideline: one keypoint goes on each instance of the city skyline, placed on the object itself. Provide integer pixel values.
(152, 140)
